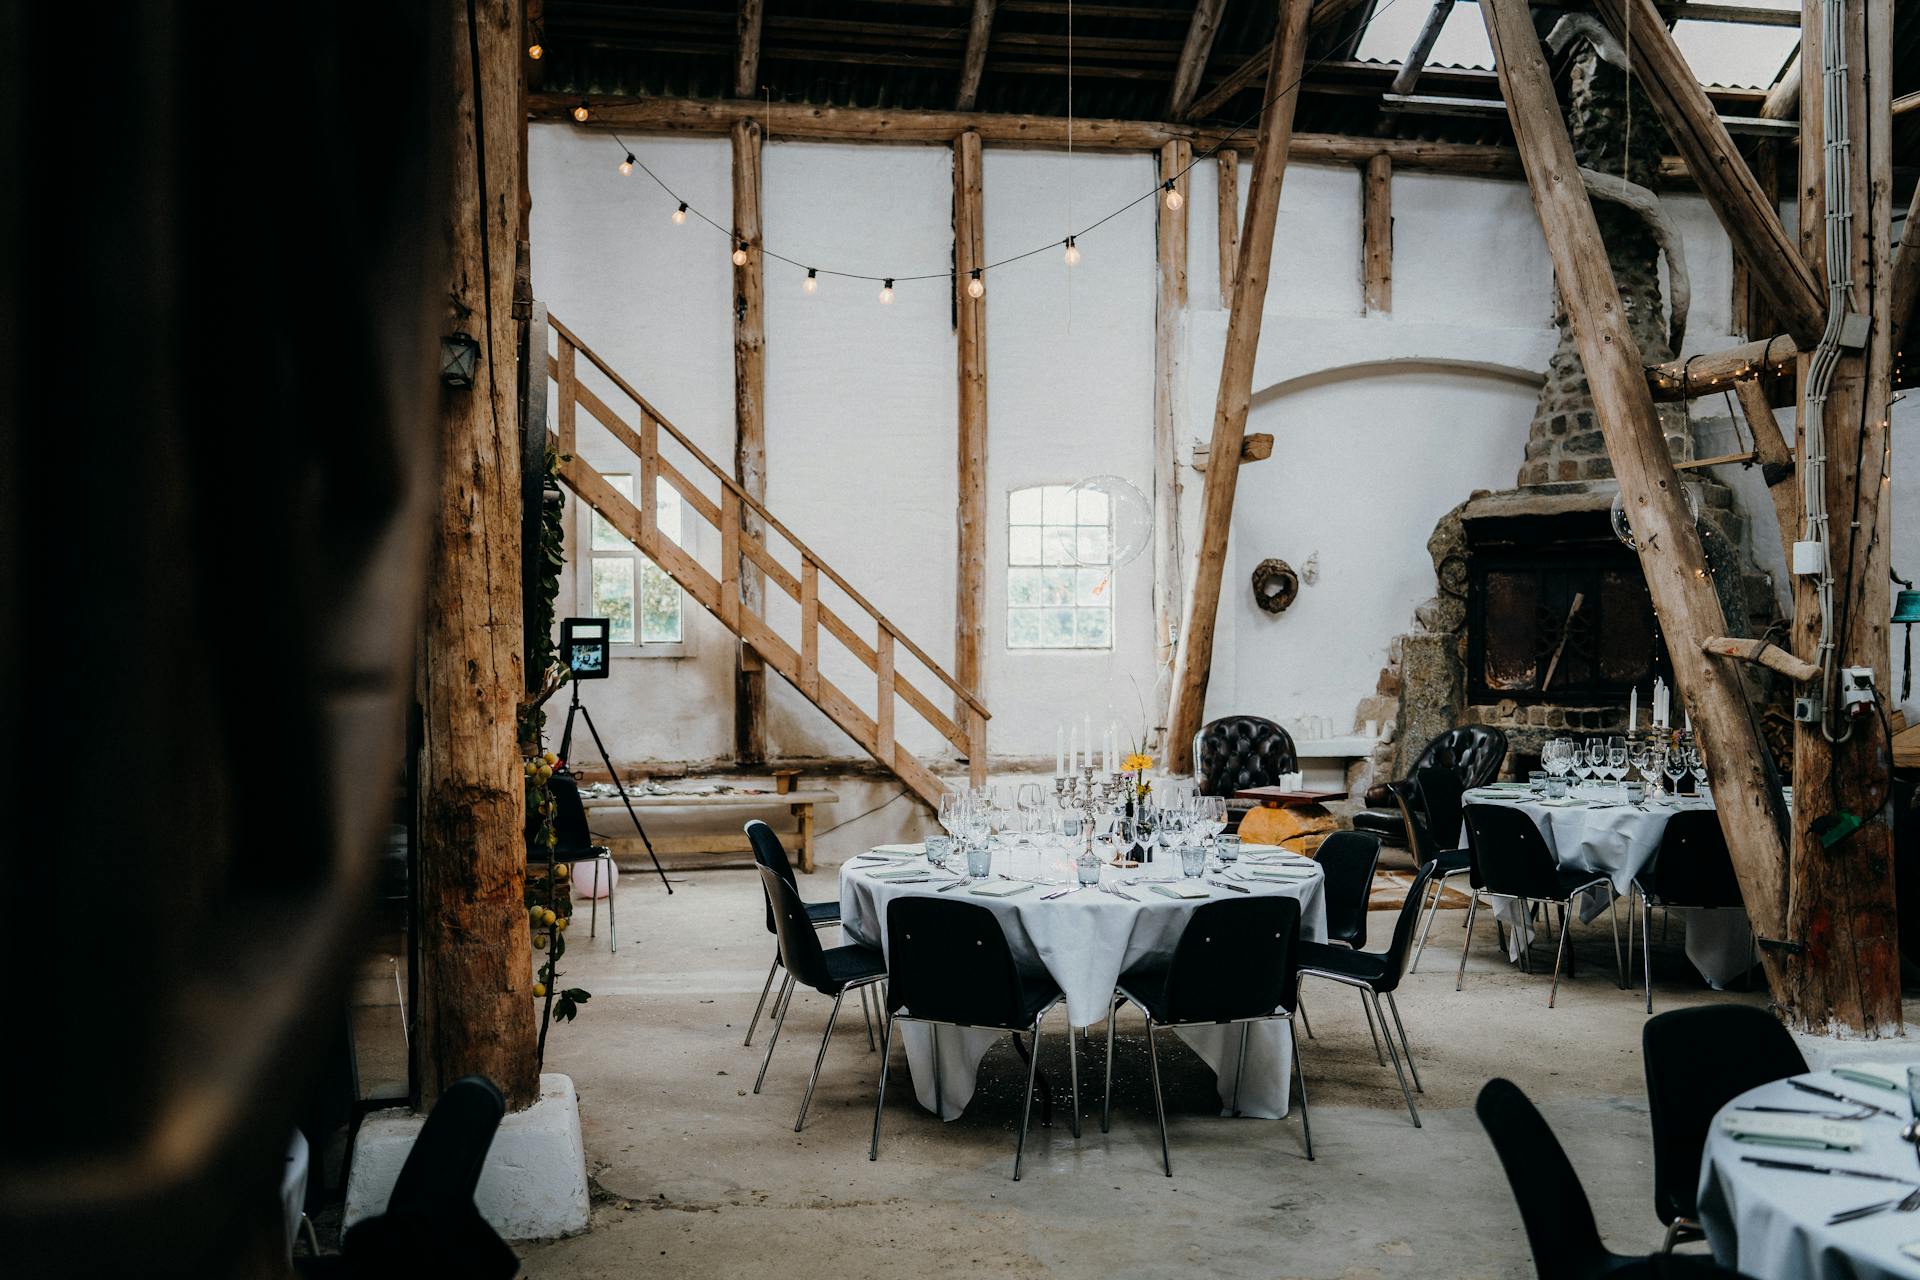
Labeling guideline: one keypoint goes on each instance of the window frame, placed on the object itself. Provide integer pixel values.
(1011, 566)
(585, 554)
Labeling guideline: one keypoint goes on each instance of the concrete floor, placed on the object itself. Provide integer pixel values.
(696, 1176)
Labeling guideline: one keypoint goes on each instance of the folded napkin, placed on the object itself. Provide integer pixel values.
(1565, 802)
(1282, 872)
(1911, 1249)
(1181, 890)
(1881, 1075)
(901, 850)
(1777, 1130)
(899, 874)
(999, 889)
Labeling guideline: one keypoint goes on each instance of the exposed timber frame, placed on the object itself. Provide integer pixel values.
(1227, 211)
(1169, 309)
(970, 521)
(1376, 236)
(746, 60)
(749, 429)
(1193, 662)
(1193, 55)
(1671, 556)
(973, 63)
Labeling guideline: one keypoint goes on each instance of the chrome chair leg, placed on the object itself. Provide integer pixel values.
(1026, 1108)
(764, 988)
(866, 1012)
(593, 910)
(1401, 1075)
(1300, 1077)
(1370, 1028)
(1240, 1070)
(780, 1003)
(880, 1101)
(1559, 952)
(1646, 947)
(1619, 963)
(1073, 1065)
(1159, 1105)
(1433, 909)
(826, 1038)
(1301, 1009)
(1106, 1102)
(1473, 905)
(1405, 1048)
(613, 925)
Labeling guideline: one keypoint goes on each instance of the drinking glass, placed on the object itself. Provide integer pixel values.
(1228, 847)
(1675, 767)
(979, 859)
(938, 849)
(1597, 758)
(953, 808)
(1557, 757)
(1697, 764)
(1193, 860)
(1617, 759)
(1087, 868)
(1580, 769)
(1637, 756)
(1537, 781)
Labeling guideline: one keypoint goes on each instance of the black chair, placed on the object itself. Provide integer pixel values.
(1510, 859)
(1431, 838)
(832, 971)
(575, 845)
(1697, 1060)
(1554, 1207)
(1692, 869)
(771, 854)
(1473, 753)
(1237, 752)
(950, 965)
(1377, 974)
(430, 1226)
(1348, 860)
(1236, 962)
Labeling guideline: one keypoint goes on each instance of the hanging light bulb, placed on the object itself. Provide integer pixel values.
(535, 51)
(626, 166)
(740, 254)
(680, 214)
(1174, 198)
(886, 292)
(1073, 252)
(976, 286)
(580, 112)
(812, 281)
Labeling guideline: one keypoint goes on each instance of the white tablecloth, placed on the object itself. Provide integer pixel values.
(1618, 841)
(1772, 1223)
(1085, 941)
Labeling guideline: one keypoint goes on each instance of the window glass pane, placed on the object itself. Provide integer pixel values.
(659, 606)
(1056, 586)
(605, 536)
(1023, 586)
(1023, 545)
(1023, 628)
(1090, 586)
(1057, 544)
(1023, 507)
(1057, 504)
(1090, 628)
(613, 595)
(1093, 544)
(1056, 628)
(1093, 507)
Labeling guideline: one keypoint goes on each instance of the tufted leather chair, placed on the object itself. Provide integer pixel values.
(1237, 752)
(1473, 752)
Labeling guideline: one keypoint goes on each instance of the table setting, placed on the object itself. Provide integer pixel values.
(1817, 1177)
(1086, 882)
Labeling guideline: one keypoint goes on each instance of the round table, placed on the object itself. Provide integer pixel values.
(1617, 840)
(1772, 1223)
(1085, 940)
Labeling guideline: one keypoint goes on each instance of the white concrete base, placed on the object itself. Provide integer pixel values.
(534, 1186)
(1822, 1052)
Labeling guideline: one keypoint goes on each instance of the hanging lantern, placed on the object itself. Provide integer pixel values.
(459, 358)
(1906, 612)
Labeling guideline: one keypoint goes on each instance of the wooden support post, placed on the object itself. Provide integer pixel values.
(749, 440)
(970, 314)
(1841, 899)
(974, 62)
(883, 704)
(1752, 315)
(809, 629)
(1376, 242)
(565, 399)
(1193, 663)
(1670, 553)
(1193, 55)
(1423, 42)
(476, 1011)
(1711, 373)
(1904, 285)
(1227, 209)
(746, 62)
(1776, 462)
(1169, 308)
(1751, 219)
(1770, 656)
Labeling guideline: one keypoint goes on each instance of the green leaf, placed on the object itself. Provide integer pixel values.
(575, 993)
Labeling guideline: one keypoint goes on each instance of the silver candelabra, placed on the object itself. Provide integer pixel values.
(1089, 794)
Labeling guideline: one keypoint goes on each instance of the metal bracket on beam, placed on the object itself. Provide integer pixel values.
(1781, 944)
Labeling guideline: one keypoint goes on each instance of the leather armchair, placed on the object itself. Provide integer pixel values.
(1236, 752)
(1473, 753)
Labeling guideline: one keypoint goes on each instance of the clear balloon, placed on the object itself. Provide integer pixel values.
(1127, 513)
(1623, 530)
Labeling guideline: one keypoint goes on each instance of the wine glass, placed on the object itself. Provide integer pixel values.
(1697, 764)
(1637, 756)
(953, 808)
(1675, 767)
(1581, 771)
(1554, 757)
(1617, 760)
(1597, 759)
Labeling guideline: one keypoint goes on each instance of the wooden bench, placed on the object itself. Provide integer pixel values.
(614, 821)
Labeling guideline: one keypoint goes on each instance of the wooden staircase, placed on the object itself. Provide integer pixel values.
(748, 533)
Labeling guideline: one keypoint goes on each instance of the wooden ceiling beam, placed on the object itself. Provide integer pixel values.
(1903, 283)
(973, 63)
(1254, 69)
(1194, 54)
(746, 62)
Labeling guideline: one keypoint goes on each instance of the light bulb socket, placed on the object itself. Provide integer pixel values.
(581, 112)
(812, 274)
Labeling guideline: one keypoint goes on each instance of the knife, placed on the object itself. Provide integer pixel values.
(1818, 1092)
(1222, 884)
(1800, 1167)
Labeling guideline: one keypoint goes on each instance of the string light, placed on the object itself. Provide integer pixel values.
(740, 254)
(626, 166)
(535, 51)
(812, 281)
(680, 214)
(1174, 198)
(976, 286)
(1072, 254)
(581, 112)
(886, 292)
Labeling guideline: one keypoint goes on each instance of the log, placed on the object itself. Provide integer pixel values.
(973, 63)
(970, 520)
(1904, 279)
(1227, 213)
(749, 433)
(476, 1008)
(1255, 446)
(1713, 372)
(1376, 236)
(1671, 557)
(1194, 658)
(1770, 656)
(1770, 451)
(1423, 42)
(1193, 56)
(1751, 220)
(1255, 69)
(746, 60)
(1841, 905)
(1170, 306)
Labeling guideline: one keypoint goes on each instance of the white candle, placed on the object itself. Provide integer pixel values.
(1073, 748)
(1633, 710)
(1059, 750)
(1086, 735)
(1689, 715)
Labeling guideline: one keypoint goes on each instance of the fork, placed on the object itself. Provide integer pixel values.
(948, 888)
(1906, 1204)
(1061, 893)
(1117, 892)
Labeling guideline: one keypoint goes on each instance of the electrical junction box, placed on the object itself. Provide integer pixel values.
(1806, 709)
(1809, 558)
(1856, 689)
(1854, 329)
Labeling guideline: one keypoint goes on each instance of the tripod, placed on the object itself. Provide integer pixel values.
(566, 741)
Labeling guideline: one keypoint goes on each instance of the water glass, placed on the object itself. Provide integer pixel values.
(1088, 867)
(1193, 860)
(1228, 847)
(979, 859)
(938, 849)
(1556, 788)
(1636, 791)
(1537, 781)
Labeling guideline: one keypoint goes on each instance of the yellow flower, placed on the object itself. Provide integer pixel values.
(1138, 762)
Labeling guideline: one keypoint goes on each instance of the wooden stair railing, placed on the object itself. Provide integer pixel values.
(744, 526)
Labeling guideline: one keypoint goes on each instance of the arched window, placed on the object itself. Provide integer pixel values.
(1059, 582)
